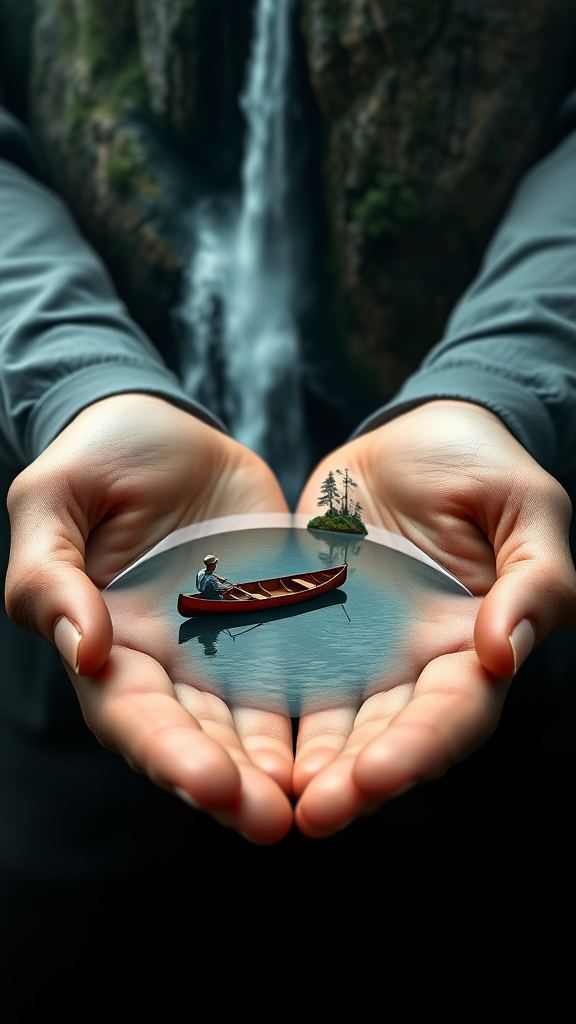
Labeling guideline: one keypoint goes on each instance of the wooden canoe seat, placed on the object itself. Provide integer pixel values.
(304, 583)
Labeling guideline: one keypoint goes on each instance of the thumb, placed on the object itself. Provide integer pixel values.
(535, 593)
(47, 589)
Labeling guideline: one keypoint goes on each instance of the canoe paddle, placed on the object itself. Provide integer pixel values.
(238, 587)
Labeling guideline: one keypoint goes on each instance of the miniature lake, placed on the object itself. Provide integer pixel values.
(374, 632)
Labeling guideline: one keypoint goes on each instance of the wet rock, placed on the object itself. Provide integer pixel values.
(119, 106)
(432, 112)
(169, 37)
(90, 114)
(194, 55)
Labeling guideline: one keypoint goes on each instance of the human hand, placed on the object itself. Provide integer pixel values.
(450, 477)
(126, 472)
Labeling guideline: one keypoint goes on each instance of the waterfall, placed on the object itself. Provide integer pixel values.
(242, 289)
(203, 310)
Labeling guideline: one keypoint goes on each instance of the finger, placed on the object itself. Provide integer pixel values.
(131, 707)
(321, 737)
(261, 812)
(47, 590)
(455, 707)
(333, 799)
(267, 739)
(535, 593)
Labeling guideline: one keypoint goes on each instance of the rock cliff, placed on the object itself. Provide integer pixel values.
(432, 111)
(123, 95)
(428, 111)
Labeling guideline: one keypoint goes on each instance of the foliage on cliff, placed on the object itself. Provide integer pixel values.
(432, 110)
(123, 95)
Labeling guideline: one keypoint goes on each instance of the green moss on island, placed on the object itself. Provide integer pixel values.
(338, 524)
(343, 515)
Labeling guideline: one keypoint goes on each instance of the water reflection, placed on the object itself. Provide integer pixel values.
(334, 650)
(209, 642)
(233, 626)
(196, 627)
(337, 548)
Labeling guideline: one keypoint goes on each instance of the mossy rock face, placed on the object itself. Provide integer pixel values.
(194, 54)
(135, 124)
(387, 207)
(432, 111)
(338, 524)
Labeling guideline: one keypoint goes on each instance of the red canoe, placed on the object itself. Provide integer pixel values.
(265, 593)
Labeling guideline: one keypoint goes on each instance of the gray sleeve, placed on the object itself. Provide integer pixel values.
(66, 340)
(510, 344)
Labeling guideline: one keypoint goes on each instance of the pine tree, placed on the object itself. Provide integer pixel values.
(348, 482)
(329, 494)
(357, 510)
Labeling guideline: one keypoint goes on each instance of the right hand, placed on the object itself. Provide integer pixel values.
(126, 472)
(450, 477)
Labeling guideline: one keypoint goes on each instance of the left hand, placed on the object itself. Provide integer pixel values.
(450, 477)
(122, 475)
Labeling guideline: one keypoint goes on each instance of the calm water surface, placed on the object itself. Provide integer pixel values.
(327, 652)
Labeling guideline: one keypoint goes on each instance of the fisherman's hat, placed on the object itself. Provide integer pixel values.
(211, 560)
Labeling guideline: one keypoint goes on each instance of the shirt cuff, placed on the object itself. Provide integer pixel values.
(62, 402)
(517, 406)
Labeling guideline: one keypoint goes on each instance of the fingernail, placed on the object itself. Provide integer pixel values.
(522, 639)
(186, 797)
(68, 639)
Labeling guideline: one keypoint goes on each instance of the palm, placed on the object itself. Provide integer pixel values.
(446, 476)
(169, 470)
(449, 476)
(128, 471)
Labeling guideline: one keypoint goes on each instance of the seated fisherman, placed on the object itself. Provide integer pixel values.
(207, 582)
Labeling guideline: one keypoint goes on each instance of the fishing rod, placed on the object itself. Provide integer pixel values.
(249, 630)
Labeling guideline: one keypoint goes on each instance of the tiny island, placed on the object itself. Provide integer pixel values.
(343, 513)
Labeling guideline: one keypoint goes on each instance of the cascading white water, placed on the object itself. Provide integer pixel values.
(203, 309)
(248, 269)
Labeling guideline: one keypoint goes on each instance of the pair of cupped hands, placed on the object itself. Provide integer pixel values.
(448, 475)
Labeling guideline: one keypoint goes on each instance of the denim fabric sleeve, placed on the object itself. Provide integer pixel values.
(510, 344)
(66, 340)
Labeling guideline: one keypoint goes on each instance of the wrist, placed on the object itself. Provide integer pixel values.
(444, 410)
